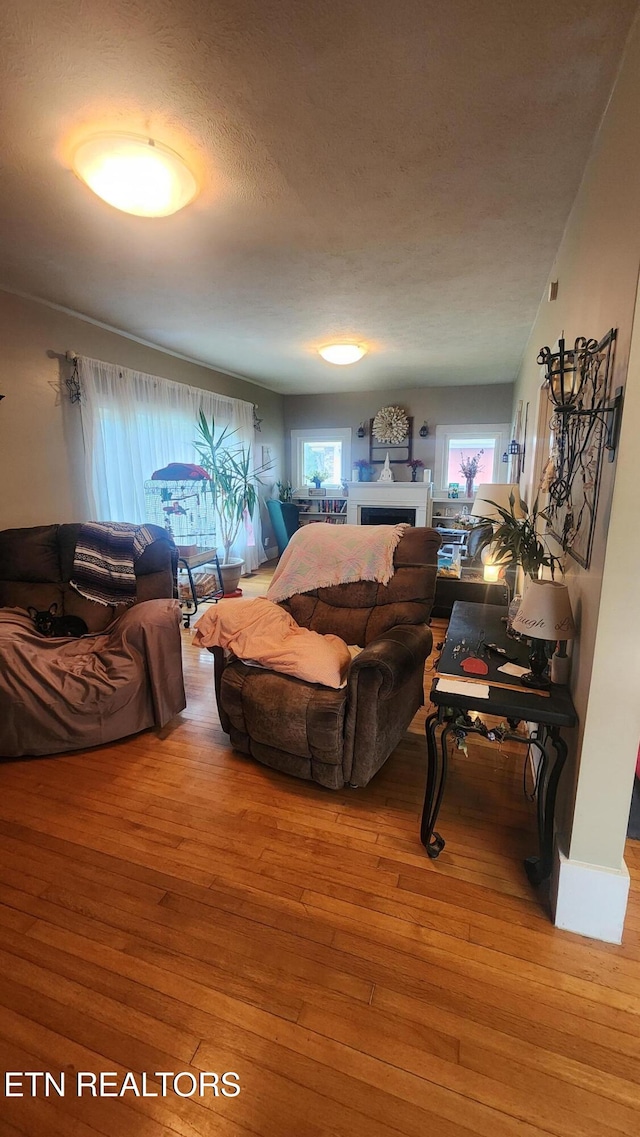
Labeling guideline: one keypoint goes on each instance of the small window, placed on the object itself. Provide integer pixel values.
(325, 452)
(455, 445)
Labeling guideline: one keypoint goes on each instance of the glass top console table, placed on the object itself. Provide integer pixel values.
(470, 628)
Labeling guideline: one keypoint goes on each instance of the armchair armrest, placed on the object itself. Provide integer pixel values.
(395, 656)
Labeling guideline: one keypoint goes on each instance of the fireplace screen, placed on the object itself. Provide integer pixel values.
(386, 515)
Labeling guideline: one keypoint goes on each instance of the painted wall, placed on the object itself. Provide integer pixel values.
(439, 406)
(41, 456)
(597, 272)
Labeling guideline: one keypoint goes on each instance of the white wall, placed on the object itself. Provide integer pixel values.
(597, 272)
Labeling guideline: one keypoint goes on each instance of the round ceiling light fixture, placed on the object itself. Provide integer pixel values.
(135, 174)
(342, 353)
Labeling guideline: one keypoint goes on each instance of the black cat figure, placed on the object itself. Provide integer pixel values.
(48, 624)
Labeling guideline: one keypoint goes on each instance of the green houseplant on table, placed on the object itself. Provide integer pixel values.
(515, 538)
(233, 487)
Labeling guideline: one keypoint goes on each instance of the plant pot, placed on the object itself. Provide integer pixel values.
(231, 573)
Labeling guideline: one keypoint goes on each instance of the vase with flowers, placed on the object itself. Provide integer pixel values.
(414, 465)
(317, 476)
(470, 468)
(364, 468)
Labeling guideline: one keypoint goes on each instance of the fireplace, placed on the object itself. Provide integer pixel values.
(386, 515)
(387, 503)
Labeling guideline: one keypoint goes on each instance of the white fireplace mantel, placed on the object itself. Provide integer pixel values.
(398, 495)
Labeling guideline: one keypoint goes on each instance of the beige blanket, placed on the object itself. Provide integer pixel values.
(319, 556)
(258, 631)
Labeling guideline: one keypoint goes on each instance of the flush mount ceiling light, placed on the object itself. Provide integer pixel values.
(342, 353)
(135, 174)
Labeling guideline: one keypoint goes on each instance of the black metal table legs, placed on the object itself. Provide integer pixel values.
(436, 778)
(537, 868)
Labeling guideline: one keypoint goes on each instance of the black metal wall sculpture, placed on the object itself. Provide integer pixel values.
(584, 424)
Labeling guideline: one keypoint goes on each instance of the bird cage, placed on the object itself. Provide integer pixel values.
(185, 509)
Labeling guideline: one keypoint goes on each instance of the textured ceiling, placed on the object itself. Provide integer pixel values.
(394, 171)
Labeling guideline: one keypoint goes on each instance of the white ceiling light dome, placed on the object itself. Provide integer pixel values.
(135, 174)
(342, 353)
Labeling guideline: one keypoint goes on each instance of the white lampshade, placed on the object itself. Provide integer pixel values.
(499, 493)
(545, 612)
(137, 175)
(342, 353)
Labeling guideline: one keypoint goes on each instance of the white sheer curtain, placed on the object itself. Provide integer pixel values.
(134, 424)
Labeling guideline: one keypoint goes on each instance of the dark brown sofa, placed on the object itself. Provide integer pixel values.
(338, 737)
(36, 566)
(62, 694)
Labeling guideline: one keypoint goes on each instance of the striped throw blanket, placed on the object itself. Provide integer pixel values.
(319, 556)
(103, 564)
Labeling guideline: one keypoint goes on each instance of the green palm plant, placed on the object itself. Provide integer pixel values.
(516, 539)
(233, 481)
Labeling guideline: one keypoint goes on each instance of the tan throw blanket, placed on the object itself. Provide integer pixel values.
(258, 631)
(319, 556)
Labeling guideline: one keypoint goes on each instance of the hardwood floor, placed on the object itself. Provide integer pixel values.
(167, 905)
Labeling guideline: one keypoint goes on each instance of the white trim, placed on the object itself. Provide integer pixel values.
(319, 434)
(589, 899)
(499, 430)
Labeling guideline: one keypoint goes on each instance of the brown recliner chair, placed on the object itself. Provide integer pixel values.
(64, 694)
(341, 737)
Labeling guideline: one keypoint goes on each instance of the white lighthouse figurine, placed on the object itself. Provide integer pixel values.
(387, 472)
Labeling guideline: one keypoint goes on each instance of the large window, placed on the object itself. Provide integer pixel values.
(323, 452)
(457, 444)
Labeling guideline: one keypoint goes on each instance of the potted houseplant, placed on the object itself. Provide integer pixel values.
(233, 487)
(414, 465)
(285, 491)
(364, 469)
(515, 538)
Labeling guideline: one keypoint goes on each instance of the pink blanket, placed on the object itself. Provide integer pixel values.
(258, 631)
(319, 556)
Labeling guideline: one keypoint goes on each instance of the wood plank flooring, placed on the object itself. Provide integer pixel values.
(167, 905)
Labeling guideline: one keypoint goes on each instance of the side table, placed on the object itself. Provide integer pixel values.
(470, 627)
(195, 561)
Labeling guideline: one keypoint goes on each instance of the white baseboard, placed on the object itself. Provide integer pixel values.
(589, 899)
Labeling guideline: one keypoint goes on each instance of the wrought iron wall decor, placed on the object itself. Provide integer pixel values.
(585, 423)
(72, 382)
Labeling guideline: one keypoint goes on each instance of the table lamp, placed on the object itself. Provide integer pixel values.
(544, 614)
(498, 492)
